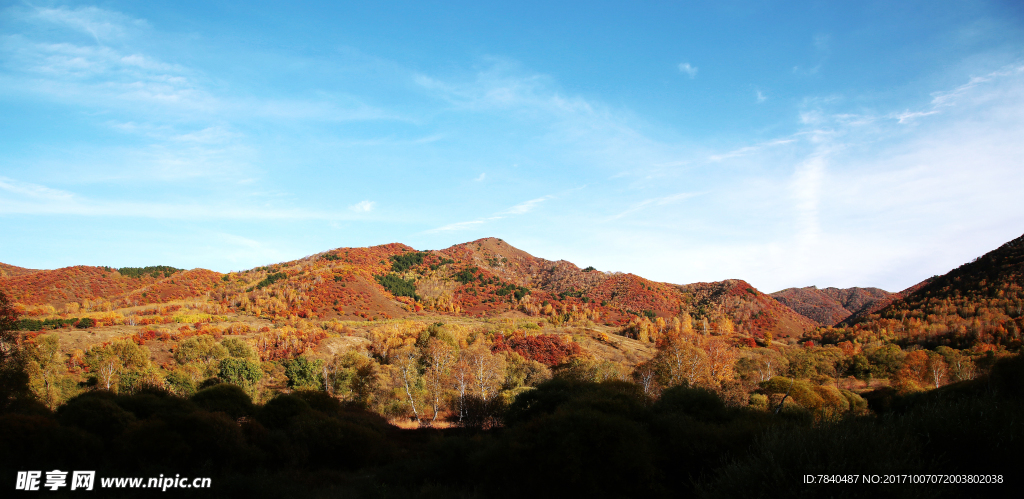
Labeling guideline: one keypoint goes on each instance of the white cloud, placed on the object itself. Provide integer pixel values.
(685, 67)
(821, 42)
(806, 71)
(660, 201)
(519, 209)
(811, 117)
(209, 135)
(852, 199)
(102, 25)
(907, 116)
(760, 96)
(455, 227)
(743, 151)
(594, 135)
(949, 97)
(480, 178)
(363, 206)
(34, 191)
(122, 76)
(34, 199)
(526, 206)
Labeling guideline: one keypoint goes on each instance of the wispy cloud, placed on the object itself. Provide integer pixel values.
(101, 24)
(743, 151)
(805, 71)
(33, 199)
(480, 178)
(907, 116)
(123, 76)
(821, 42)
(504, 85)
(34, 191)
(853, 198)
(949, 97)
(607, 138)
(760, 96)
(363, 206)
(525, 207)
(659, 201)
(519, 209)
(455, 227)
(685, 67)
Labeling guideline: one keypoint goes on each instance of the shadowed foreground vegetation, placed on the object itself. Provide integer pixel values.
(566, 438)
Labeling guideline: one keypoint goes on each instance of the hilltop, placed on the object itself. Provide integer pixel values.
(830, 306)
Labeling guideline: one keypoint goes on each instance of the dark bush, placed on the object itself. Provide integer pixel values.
(336, 443)
(226, 398)
(576, 452)
(699, 403)
(279, 410)
(97, 413)
(614, 397)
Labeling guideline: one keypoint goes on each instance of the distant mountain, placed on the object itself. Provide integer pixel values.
(483, 278)
(830, 306)
(752, 311)
(879, 304)
(978, 303)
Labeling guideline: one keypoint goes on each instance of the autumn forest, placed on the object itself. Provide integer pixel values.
(483, 371)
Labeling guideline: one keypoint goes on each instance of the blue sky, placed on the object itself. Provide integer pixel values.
(808, 143)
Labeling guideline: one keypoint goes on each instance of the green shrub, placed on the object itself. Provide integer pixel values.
(271, 279)
(241, 372)
(398, 286)
(180, 383)
(466, 276)
(238, 348)
(401, 263)
(152, 271)
(304, 374)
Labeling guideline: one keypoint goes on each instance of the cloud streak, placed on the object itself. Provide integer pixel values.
(525, 207)
(32, 199)
(519, 209)
(660, 201)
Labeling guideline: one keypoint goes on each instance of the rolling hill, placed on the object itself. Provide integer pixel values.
(483, 278)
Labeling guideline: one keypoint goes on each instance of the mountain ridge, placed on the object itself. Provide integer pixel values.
(482, 278)
(830, 306)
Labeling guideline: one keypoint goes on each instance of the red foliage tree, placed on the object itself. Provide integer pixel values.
(548, 349)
